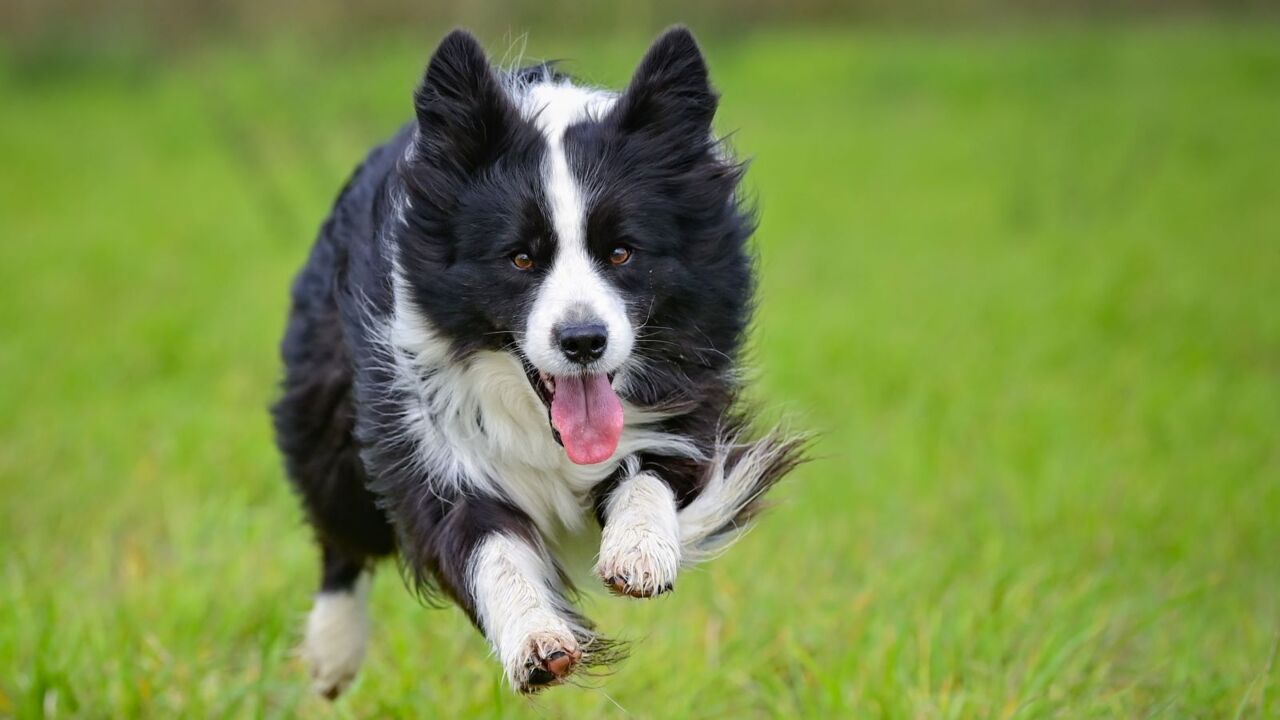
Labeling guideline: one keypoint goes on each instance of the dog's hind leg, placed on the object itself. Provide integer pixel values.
(314, 422)
(353, 534)
(337, 630)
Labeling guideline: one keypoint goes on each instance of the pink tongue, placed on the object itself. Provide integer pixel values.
(587, 413)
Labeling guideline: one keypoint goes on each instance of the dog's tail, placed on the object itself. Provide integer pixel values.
(738, 476)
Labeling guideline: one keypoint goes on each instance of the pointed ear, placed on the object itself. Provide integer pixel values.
(464, 115)
(670, 91)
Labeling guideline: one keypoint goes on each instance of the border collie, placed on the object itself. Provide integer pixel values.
(521, 318)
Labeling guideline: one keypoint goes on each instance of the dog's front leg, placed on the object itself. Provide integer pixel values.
(640, 543)
(490, 557)
(518, 603)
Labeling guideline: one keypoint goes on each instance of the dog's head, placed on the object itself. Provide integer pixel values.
(597, 236)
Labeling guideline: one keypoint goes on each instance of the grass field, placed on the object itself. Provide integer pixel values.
(1025, 285)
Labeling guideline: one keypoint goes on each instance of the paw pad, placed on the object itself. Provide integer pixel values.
(548, 666)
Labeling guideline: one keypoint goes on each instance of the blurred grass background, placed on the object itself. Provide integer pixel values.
(1020, 270)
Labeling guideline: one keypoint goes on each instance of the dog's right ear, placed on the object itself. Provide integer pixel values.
(465, 119)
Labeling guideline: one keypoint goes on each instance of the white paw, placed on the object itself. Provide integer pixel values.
(638, 561)
(543, 659)
(640, 545)
(336, 638)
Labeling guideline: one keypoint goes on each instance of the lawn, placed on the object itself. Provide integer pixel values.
(1023, 283)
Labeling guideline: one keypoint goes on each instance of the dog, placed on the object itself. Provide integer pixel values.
(523, 318)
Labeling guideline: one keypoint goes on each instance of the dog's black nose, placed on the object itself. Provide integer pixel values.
(582, 343)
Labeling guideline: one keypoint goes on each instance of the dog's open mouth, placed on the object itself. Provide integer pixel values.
(584, 411)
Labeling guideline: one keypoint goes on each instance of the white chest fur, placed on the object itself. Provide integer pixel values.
(479, 426)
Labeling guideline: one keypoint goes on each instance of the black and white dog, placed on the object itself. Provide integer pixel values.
(525, 311)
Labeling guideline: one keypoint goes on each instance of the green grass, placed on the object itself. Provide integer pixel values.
(1025, 285)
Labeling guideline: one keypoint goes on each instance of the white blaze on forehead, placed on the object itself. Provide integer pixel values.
(574, 286)
(553, 107)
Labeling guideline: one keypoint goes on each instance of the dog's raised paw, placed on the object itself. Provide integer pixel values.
(640, 550)
(638, 564)
(642, 587)
(550, 659)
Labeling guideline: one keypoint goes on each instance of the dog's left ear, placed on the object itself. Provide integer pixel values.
(670, 91)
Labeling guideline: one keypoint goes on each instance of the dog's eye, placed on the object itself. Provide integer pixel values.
(522, 261)
(620, 255)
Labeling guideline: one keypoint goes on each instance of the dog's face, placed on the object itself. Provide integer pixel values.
(597, 237)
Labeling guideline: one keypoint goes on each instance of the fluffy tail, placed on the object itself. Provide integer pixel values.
(739, 475)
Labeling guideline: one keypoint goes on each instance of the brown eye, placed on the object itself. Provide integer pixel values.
(522, 261)
(620, 255)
